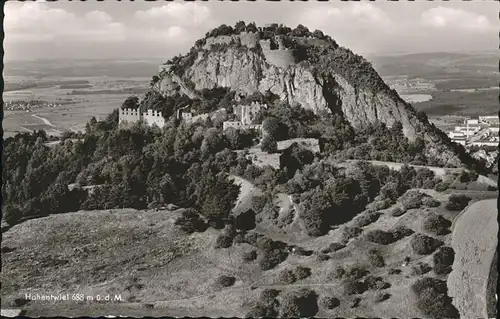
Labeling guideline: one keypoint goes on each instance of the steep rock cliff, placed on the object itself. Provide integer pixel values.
(320, 84)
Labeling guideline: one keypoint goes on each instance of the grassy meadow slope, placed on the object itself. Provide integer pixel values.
(159, 270)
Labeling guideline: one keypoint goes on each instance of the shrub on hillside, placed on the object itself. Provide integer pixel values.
(350, 232)
(267, 305)
(337, 272)
(381, 296)
(457, 202)
(353, 287)
(323, 257)
(379, 237)
(401, 232)
(225, 281)
(376, 283)
(302, 272)
(11, 214)
(269, 144)
(394, 271)
(437, 224)
(375, 258)
(252, 237)
(262, 311)
(299, 251)
(443, 260)
(355, 272)
(432, 298)
(273, 253)
(329, 302)
(335, 247)
(424, 245)
(412, 200)
(366, 219)
(190, 221)
(223, 241)
(430, 202)
(246, 220)
(301, 303)
(259, 202)
(287, 277)
(442, 186)
(420, 269)
(250, 255)
(268, 295)
(398, 211)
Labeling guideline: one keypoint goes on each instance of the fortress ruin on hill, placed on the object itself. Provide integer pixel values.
(132, 116)
(246, 115)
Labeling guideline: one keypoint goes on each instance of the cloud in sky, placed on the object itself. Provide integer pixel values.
(40, 22)
(33, 29)
(355, 16)
(37, 22)
(456, 19)
(177, 22)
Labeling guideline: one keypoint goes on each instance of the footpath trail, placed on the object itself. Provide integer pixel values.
(474, 240)
(45, 121)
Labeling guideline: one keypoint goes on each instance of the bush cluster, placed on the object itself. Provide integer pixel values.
(273, 253)
(267, 305)
(329, 302)
(420, 268)
(424, 245)
(190, 221)
(379, 237)
(457, 202)
(375, 258)
(353, 272)
(249, 255)
(366, 219)
(443, 260)
(413, 199)
(381, 296)
(226, 281)
(432, 298)
(288, 276)
(401, 232)
(398, 211)
(301, 303)
(354, 287)
(224, 241)
(350, 232)
(437, 224)
(376, 283)
(394, 271)
(431, 202)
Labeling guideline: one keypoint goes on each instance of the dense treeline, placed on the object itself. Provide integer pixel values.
(185, 165)
(331, 197)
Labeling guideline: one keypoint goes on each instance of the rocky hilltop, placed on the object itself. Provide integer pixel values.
(308, 68)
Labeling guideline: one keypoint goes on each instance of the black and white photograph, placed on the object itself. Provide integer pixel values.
(249, 159)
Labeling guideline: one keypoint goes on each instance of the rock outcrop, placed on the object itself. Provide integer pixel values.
(247, 69)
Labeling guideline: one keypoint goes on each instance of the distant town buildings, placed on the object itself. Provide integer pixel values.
(482, 131)
(28, 105)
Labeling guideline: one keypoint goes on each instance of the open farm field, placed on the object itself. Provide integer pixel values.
(460, 103)
(76, 107)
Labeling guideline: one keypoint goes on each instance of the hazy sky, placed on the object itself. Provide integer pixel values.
(161, 29)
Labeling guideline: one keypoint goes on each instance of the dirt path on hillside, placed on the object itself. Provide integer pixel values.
(474, 240)
(45, 121)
